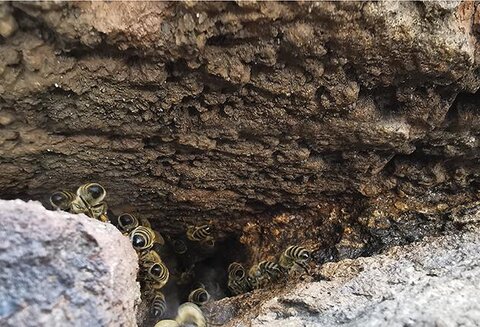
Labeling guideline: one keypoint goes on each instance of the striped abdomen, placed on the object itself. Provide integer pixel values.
(294, 254)
(127, 222)
(270, 269)
(91, 193)
(159, 273)
(142, 238)
(199, 234)
(199, 296)
(236, 271)
(62, 200)
(159, 305)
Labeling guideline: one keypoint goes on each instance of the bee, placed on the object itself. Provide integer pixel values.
(185, 274)
(159, 305)
(199, 295)
(158, 273)
(92, 193)
(143, 238)
(149, 256)
(188, 314)
(271, 269)
(154, 270)
(179, 247)
(237, 287)
(293, 258)
(200, 234)
(255, 279)
(62, 200)
(167, 323)
(236, 271)
(128, 222)
(89, 200)
(237, 281)
(253, 283)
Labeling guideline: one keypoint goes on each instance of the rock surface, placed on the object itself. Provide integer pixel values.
(213, 110)
(432, 283)
(58, 269)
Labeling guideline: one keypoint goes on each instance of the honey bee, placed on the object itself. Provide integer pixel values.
(188, 314)
(293, 258)
(255, 279)
(158, 273)
(185, 274)
(62, 200)
(271, 269)
(167, 323)
(200, 234)
(236, 271)
(128, 222)
(154, 271)
(143, 238)
(159, 305)
(89, 200)
(179, 247)
(237, 279)
(92, 193)
(149, 256)
(199, 295)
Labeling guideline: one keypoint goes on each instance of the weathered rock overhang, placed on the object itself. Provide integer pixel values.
(357, 118)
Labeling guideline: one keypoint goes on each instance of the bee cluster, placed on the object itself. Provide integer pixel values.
(154, 274)
(169, 265)
(294, 260)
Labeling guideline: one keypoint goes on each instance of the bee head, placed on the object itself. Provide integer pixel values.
(139, 241)
(305, 255)
(96, 191)
(127, 222)
(239, 273)
(179, 246)
(203, 297)
(58, 198)
(156, 270)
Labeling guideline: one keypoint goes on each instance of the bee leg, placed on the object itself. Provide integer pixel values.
(103, 218)
(300, 267)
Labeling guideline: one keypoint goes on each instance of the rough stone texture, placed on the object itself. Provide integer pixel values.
(346, 126)
(432, 283)
(58, 269)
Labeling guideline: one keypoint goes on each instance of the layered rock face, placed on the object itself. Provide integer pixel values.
(346, 127)
(59, 269)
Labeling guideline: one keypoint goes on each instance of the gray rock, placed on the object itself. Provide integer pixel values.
(432, 283)
(59, 269)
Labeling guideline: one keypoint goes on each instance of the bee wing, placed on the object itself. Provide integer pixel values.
(145, 222)
(159, 238)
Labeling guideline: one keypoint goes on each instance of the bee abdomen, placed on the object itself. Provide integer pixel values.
(297, 252)
(270, 268)
(236, 271)
(158, 272)
(62, 200)
(159, 305)
(142, 238)
(91, 193)
(200, 233)
(127, 222)
(199, 296)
